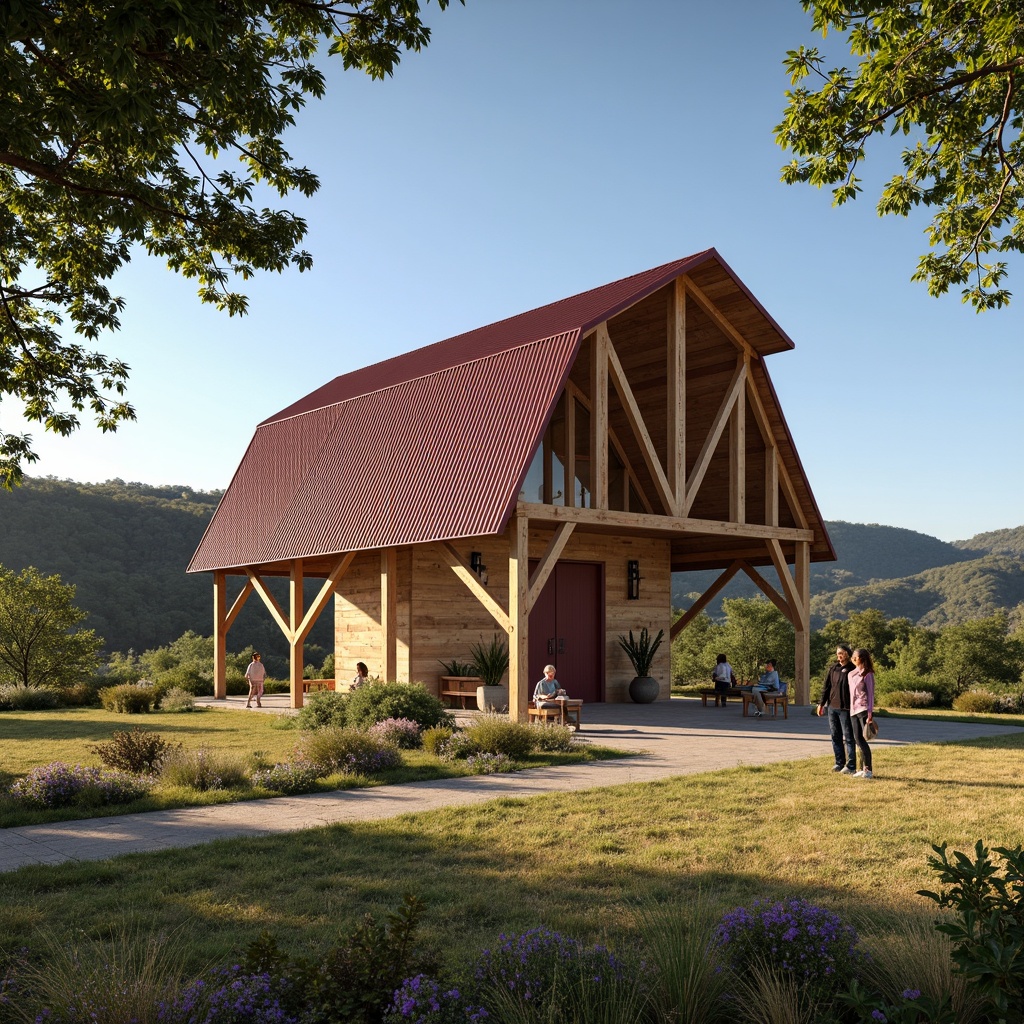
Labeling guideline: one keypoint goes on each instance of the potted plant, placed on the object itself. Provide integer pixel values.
(644, 688)
(490, 662)
(459, 680)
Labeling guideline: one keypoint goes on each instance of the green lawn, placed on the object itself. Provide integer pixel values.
(578, 862)
(31, 738)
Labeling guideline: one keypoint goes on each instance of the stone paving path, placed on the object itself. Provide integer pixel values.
(677, 738)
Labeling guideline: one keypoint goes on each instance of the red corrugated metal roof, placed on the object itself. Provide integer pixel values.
(430, 445)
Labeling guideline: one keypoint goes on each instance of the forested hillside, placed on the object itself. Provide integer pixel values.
(125, 546)
(998, 542)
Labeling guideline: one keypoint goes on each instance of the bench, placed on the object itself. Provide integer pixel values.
(771, 700)
(569, 712)
(459, 688)
(719, 695)
(317, 684)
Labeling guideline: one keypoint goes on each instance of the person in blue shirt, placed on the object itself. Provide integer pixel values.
(768, 682)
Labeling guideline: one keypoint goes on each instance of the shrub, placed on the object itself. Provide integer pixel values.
(177, 699)
(979, 702)
(19, 697)
(78, 695)
(489, 764)
(373, 702)
(63, 785)
(1010, 704)
(399, 732)
(422, 1000)
(435, 740)
(349, 751)
(323, 710)
(289, 777)
(127, 698)
(906, 699)
(137, 752)
(187, 677)
(809, 941)
(553, 738)
(232, 995)
(495, 734)
(458, 745)
(202, 769)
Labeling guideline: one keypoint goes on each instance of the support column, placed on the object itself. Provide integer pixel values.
(389, 613)
(803, 630)
(518, 619)
(295, 639)
(220, 635)
(599, 420)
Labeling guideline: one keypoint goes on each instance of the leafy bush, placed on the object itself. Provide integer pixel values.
(299, 776)
(350, 751)
(495, 734)
(459, 745)
(810, 942)
(187, 677)
(373, 702)
(554, 738)
(63, 785)
(435, 740)
(202, 769)
(177, 699)
(399, 732)
(19, 697)
(232, 995)
(489, 764)
(137, 752)
(128, 698)
(422, 1000)
(78, 695)
(979, 702)
(1010, 704)
(323, 710)
(988, 925)
(906, 699)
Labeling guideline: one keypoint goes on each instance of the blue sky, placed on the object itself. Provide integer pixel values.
(538, 148)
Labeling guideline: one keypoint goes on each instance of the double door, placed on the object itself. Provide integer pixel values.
(567, 629)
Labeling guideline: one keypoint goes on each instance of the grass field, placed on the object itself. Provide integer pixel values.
(31, 738)
(576, 862)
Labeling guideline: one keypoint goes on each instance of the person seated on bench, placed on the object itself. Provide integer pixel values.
(723, 676)
(361, 676)
(547, 689)
(768, 683)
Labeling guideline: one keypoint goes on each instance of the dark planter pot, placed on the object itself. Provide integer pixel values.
(644, 690)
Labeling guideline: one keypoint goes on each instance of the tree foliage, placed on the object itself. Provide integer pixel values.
(946, 75)
(153, 127)
(978, 651)
(39, 643)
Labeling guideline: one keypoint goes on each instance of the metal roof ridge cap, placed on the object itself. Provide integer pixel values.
(423, 376)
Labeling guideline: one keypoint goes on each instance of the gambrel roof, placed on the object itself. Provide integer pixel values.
(435, 444)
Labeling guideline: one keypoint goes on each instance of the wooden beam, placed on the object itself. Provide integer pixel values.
(703, 601)
(599, 419)
(639, 428)
(675, 375)
(570, 450)
(798, 616)
(654, 524)
(719, 318)
(389, 613)
(771, 485)
(802, 652)
(469, 578)
(220, 635)
(738, 458)
(547, 563)
(238, 604)
(268, 599)
(295, 658)
(707, 452)
(548, 491)
(767, 589)
(518, 618)
(325, 595)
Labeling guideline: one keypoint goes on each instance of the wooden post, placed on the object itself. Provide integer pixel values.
(295, 613)
(599, 420)
(389, 613)
(518, 619)
(675, 370)
(738, 459)
(220, 635)
(570, 450)
(803, 631)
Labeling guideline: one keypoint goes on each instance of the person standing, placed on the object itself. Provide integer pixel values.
(862, 703)
(255, 672)
(835, 697)
(723, 677)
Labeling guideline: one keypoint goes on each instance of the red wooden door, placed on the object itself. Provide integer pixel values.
(567, 629)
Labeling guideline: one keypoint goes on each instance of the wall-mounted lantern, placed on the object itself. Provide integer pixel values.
(476, 563)
(633, 580)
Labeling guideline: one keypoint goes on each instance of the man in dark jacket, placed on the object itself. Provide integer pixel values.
(835, 696)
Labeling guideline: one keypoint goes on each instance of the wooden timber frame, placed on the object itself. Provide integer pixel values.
(657, 494)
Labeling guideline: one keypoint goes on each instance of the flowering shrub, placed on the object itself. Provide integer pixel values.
(458, 745)
(979, 702)
(19, 697)
(177, 699)
(350, 751)
(906, 699)
(495, 734)
(403, 733)
(231, 995)
(554, 738)
(202, 769)
(795, 936)
(1010, 704)
(489, 764)
(421, 1000)
(435, 739)
(61, 785)
(289, 777)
